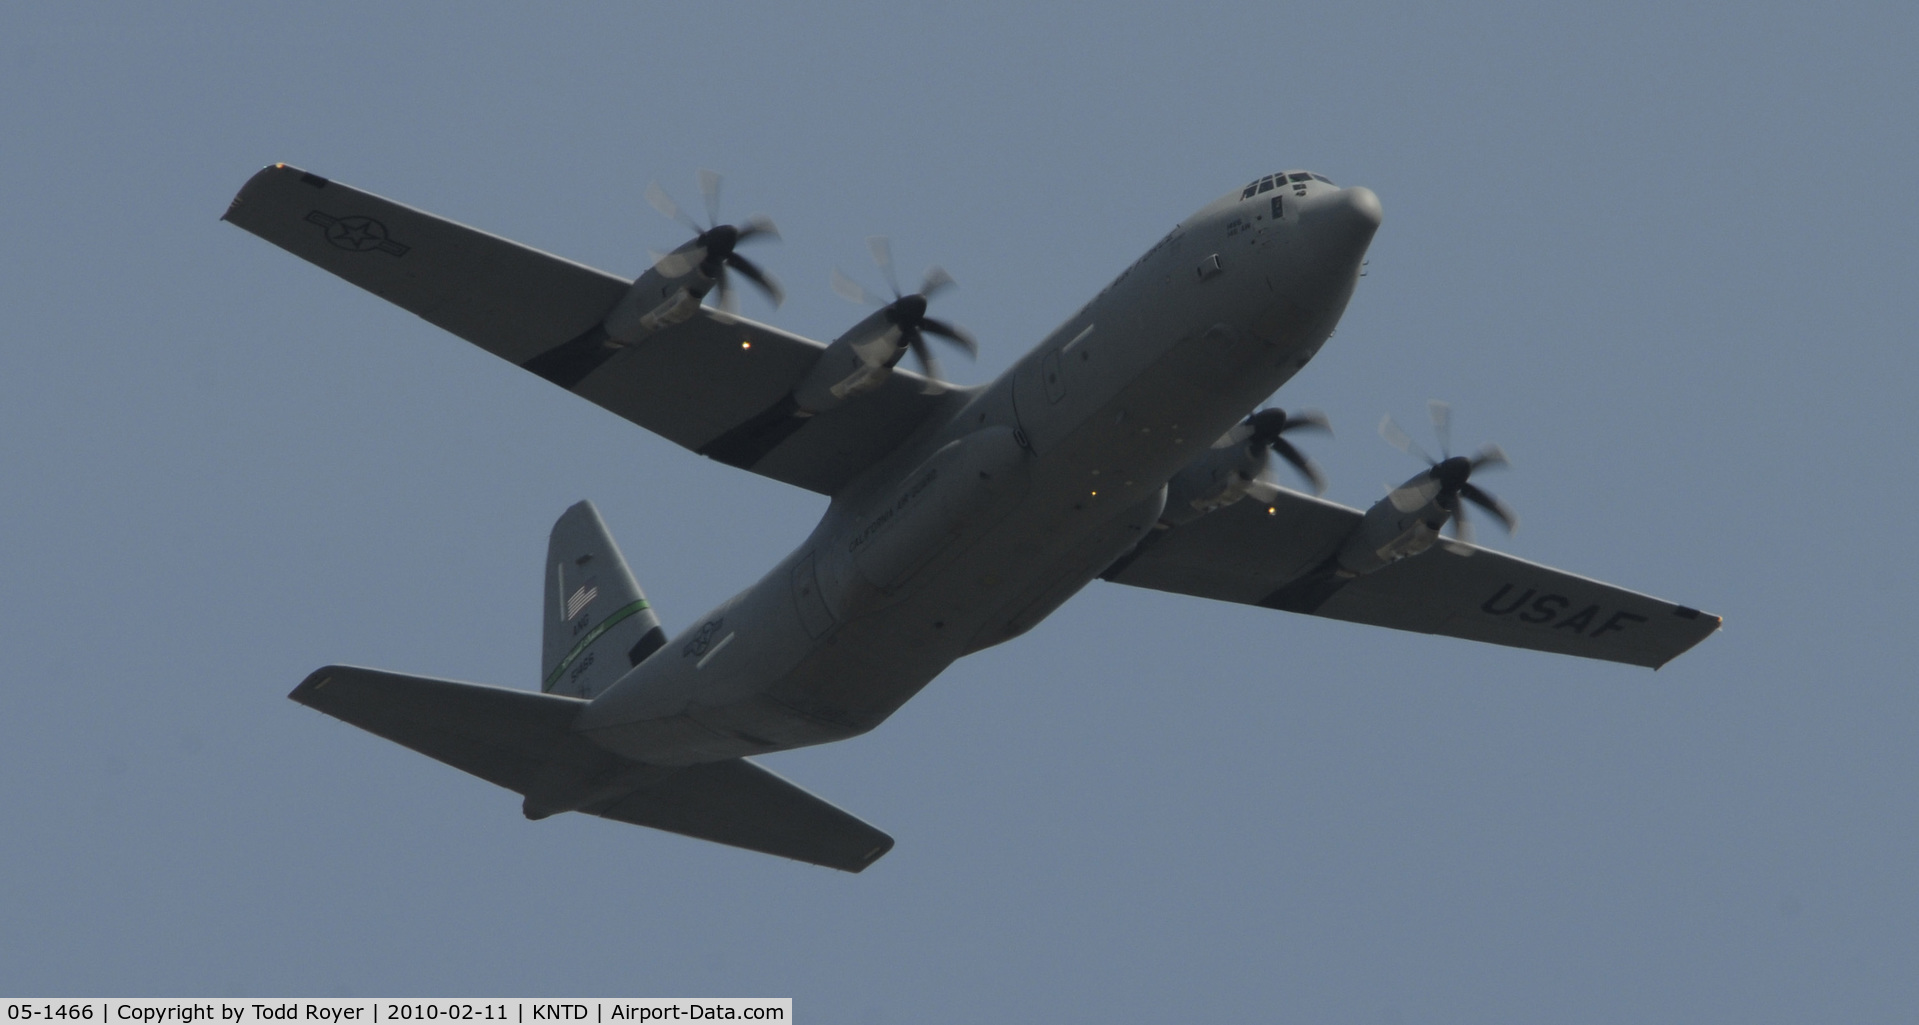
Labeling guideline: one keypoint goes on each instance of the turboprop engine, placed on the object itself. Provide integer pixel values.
(671, 291)
(1408, 520)
(1236, 466)
(863, 358)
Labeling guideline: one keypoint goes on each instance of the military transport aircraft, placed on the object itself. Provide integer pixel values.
(1119, 448)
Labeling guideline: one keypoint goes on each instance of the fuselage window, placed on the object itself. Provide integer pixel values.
(1323, 178)
(1266, 185)
(1300, 177)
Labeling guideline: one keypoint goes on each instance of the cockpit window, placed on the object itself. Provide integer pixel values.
(1273, 181)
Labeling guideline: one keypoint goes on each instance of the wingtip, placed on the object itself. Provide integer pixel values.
(268, 172)
(879, 851)
(315, 682)
(1687, 612)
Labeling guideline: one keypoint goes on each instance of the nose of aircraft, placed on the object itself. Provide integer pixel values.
(1338, 226)
(1346, 218)
(1364, 206)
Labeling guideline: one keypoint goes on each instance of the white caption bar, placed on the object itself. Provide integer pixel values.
(381, 1011)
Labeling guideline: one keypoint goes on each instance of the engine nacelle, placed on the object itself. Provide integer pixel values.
(1404, 523)
(857, 362)
(1218, 478)
(656, 302)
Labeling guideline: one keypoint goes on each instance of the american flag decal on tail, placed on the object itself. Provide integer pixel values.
(582, 598)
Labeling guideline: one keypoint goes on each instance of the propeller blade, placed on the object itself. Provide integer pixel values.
(1306, 467)
(885, 349)
(673, 265)
(936, 280)
(882, 251)
(1414, 493)
(908, 312)
(935, 383)
(1308, 420)
(1399, 440)
(664, 204)
(710, 190)
(1442, 426)
(853, 291)
(1462, 530)
(1267, 425)
(1491, 455)
(661, 202)
(757, 226)
(712, 249)
(1499, 510)
(1239, 432)
(951, 333)
(755, 275)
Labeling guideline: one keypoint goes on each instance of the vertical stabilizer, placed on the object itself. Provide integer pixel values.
(598, 624)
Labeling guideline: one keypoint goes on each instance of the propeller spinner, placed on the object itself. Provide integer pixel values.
(712, 249)
(1263, 432)
(1454, 473)
(907, 313)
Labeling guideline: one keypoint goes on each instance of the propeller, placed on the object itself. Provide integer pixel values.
(1453, 472)
(907, 313)
(713, 253)
(1263, 432)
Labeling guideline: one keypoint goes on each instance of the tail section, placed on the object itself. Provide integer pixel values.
(598, 624)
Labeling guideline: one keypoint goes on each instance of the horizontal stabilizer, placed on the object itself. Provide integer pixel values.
(523, 741)
(499, 734)
(740, 804)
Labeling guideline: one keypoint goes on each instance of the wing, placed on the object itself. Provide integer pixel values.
(717, 384)
(1280, 559)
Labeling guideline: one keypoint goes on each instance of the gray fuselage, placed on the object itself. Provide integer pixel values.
(993, 514)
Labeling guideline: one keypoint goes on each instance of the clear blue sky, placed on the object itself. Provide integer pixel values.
(1664, 256)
